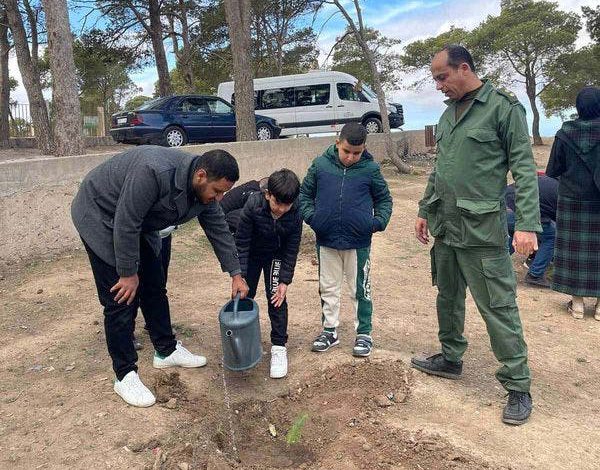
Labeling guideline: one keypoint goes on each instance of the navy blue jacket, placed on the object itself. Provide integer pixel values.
(345, 205)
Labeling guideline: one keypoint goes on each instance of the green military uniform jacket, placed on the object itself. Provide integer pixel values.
(464, 199)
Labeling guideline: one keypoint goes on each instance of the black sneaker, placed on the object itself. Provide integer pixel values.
(438, 365)
(362, 346)
(536, 281)
(324, 341)
(518, 409)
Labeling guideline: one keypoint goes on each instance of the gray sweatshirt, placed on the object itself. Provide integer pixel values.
(137, 193)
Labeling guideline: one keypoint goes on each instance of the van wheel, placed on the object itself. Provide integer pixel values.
(373, 125)
(264, 132)
(174, 136)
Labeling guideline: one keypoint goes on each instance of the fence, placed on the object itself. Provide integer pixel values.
(21, 125)
(19, 120)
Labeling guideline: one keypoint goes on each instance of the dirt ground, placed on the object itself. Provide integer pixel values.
(58, 410)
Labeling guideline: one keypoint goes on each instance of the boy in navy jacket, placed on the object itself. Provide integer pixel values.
(345, 199)
(268, 239)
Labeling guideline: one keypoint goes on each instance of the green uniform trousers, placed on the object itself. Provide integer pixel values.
(489, 275)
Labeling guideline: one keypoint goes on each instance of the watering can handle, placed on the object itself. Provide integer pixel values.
(236, 302)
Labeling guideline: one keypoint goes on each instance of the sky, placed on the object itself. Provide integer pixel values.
(408, 20)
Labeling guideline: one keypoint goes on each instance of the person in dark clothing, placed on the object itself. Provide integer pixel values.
(233, 201)
(575, 159)
(118, 211)
(538, 264)
(268, 239)
(165, 259)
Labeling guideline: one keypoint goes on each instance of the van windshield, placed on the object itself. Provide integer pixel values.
(370, 93)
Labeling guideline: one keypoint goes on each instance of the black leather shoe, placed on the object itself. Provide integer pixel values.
(540, 281)
(437, 365)
(518, 409)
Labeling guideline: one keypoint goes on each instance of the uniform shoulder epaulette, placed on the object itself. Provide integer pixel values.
(509, 95)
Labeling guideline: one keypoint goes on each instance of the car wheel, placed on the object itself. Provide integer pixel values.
(174, 137)
(264, 132)
(373, 125)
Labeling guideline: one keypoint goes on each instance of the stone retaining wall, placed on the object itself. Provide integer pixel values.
(35, 194)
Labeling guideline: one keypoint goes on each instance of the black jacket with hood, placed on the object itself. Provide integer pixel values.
(575, 158)
(260, 235)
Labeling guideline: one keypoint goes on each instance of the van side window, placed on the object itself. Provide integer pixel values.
(312, 95)
(346, 92)
(276, 98)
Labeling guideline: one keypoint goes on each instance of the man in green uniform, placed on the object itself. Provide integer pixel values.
(481, 135)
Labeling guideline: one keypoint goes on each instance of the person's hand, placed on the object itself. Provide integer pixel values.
(421, 231)
(238, 285)
(126, 289)
(279, 296)
(525, 243)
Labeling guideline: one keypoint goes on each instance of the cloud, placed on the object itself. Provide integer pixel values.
(381, 17)
(145, 80)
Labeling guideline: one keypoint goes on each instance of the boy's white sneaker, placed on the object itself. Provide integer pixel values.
(181, 357)
(279, 362)
(133, 391)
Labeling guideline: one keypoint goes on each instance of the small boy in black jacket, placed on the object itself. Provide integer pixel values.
(268, 239)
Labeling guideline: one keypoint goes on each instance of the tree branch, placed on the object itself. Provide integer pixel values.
(335, 45)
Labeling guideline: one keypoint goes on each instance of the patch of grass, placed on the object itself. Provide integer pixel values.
(295, 432)
(183, 330)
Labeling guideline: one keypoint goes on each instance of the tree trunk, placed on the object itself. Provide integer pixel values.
(530, 87)
(4, 85)
(65, 98)
(237, 13)
(32, 19)
(186, 53)
(391, 148)
(155, 31)
(31, 79)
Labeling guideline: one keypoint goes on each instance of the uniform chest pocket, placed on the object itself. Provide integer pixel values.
(482, 135)
(482, 222)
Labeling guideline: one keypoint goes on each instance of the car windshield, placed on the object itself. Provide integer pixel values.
(156, 103)
(367, 91)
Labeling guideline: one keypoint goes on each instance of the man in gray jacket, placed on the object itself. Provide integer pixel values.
(119, 209)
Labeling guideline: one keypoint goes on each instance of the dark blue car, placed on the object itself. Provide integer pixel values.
(174, 121)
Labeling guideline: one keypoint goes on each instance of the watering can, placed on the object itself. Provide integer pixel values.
(240, 334)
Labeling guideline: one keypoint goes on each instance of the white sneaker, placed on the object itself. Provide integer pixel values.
(133, 391)
(181, 357)
(597, 311)
(279, 362)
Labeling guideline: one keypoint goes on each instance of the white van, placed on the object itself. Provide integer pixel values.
(318, 101)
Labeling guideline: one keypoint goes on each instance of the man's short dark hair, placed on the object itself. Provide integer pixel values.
(284, 185)
(458, 55)
(354, 133)
(218, 164)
